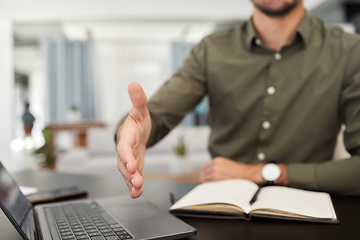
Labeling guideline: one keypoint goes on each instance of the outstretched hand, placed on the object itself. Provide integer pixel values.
(132, 136)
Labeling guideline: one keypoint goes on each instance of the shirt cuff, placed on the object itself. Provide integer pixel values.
(302, 176)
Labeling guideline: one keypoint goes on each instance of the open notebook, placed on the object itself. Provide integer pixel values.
(231, 199)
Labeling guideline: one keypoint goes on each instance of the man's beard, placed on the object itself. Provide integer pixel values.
(276, 12)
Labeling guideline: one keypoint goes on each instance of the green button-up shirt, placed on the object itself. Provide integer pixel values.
(286, 106)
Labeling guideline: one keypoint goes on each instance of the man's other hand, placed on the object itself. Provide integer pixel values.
(221, 168)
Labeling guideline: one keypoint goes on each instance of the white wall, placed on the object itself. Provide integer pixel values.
(119, 63)
(6, 83)
(22, 10)
(110, 9)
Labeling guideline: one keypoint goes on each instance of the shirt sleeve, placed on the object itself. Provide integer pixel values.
(179, 95)
(338, 177)
(342, 176)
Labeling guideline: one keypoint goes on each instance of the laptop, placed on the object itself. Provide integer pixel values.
(110, 218)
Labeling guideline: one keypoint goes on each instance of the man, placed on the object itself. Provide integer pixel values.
(28, 120)
(279, 87)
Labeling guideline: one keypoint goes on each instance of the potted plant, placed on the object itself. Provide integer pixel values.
(46, 155)
(180, 164)
(74, 114)
(180, 148)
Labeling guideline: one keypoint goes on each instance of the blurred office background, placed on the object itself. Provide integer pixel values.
(62, 55)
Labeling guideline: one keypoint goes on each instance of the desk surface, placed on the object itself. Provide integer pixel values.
(158, 192)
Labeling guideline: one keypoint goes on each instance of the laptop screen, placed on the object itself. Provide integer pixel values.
(15, 205)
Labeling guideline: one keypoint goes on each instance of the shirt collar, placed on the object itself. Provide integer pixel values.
(250, 35)
(303, 31)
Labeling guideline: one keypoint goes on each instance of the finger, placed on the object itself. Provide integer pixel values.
(205, 176)
(139, 102)
(136, 188)
(125, 173)
(201, 177)
(135, 193)
(207, 166)
(126, 156)
(206, 172)
(132, 180)
(137, 180)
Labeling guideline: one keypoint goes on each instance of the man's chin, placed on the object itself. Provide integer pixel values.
(274, 11)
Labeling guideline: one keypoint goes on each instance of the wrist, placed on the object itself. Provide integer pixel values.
(281, 180)
(256, 175)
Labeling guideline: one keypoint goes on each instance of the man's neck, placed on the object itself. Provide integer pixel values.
(276, 32)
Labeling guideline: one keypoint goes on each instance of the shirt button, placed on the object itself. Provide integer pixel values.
(277, 56)
(257, 41)
(270, 90)
(261, 156)
(266, 125)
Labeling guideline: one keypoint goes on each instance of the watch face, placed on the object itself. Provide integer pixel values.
(271, 172)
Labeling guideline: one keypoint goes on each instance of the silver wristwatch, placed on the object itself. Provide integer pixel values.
(271, 172)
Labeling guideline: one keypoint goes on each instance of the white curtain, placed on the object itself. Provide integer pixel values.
(69, 79)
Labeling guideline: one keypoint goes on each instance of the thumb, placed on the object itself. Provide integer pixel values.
(138, 100)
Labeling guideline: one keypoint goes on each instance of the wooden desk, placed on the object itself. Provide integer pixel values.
(158, 192)
(166, 176)
(79, 129)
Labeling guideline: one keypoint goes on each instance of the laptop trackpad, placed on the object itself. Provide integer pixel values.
(143, 219)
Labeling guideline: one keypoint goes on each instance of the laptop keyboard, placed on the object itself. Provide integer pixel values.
(86, 221)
